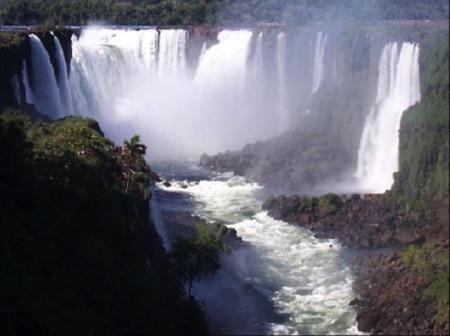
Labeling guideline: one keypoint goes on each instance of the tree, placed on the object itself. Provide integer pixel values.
(197, 258)
(133, 155)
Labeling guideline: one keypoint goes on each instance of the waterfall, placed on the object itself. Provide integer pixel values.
(148, 50)
(258, 69)
(63, 79)
(15, 86)
(398, 89)
(45, 89)
(232, 51)
(318, 69)
(98, 68)
(29, 96)
(157, 220)
(172, 53)
(139, 80)
(283, 108)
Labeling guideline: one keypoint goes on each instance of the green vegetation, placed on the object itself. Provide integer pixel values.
(431, 265)
(72, 252)
(10, 39)
(424, 132)
(330, 203)
(10, 46)
(195, 259)
(227, 12)
(422, 182)
(308, 204)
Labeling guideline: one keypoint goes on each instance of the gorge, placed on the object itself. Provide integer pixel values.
(305, 110)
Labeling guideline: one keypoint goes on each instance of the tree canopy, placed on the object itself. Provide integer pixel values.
(217, 12)
(74, 258)
(197, 258)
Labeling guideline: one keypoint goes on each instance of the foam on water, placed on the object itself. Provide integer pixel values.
(304, 278)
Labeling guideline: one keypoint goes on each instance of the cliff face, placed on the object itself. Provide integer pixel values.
(15, 50)
(78, 254)
(424, 132)
(322, 147)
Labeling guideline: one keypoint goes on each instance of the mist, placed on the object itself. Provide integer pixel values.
(221, 104)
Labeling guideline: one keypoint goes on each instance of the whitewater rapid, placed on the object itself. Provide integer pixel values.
(284, 281)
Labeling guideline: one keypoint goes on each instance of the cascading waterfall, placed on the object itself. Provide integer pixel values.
(398, 89)
(282, 81)
(121, 75)
(157, 220)
(137, 81)
(29, 96)
(233, 47)
(45, 88)
(15, 86)
(172, 53)
(124, 76)
(258, 69)
(63, 79)
(98, 69)
(318, 70)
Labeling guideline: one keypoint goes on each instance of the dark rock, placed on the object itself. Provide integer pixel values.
(167, 184)
(356, 303)
(270, 203)
(355, 197)
(367, 319)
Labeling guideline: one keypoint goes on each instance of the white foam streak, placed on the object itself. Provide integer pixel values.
(172, 54)
(15, 86)
(29, 96)
(315, 288)
(302, 276)
(63, 80)
(157, 220)
(318, 70)
(283, 109)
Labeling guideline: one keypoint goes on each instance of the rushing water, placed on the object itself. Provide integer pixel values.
(283, 281)
(45, 87)
(398, 89)
(244, 88)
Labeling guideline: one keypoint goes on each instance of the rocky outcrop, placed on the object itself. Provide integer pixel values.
(368, 221)
(398, 297)
(298, 159)
(15, 49)
(185, 223)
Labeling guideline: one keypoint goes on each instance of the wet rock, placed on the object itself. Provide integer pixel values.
(358, 222)
(167, 184)
(356, 303)
(270, 203)
(367, 319)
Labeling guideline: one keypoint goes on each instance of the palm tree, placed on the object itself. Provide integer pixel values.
(133, 150)
(133, 145)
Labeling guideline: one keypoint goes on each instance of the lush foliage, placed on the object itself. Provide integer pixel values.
(424, 131)
(197, 258)
(330, 203)
(228, 12)
(71, 254)
(431, 263)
